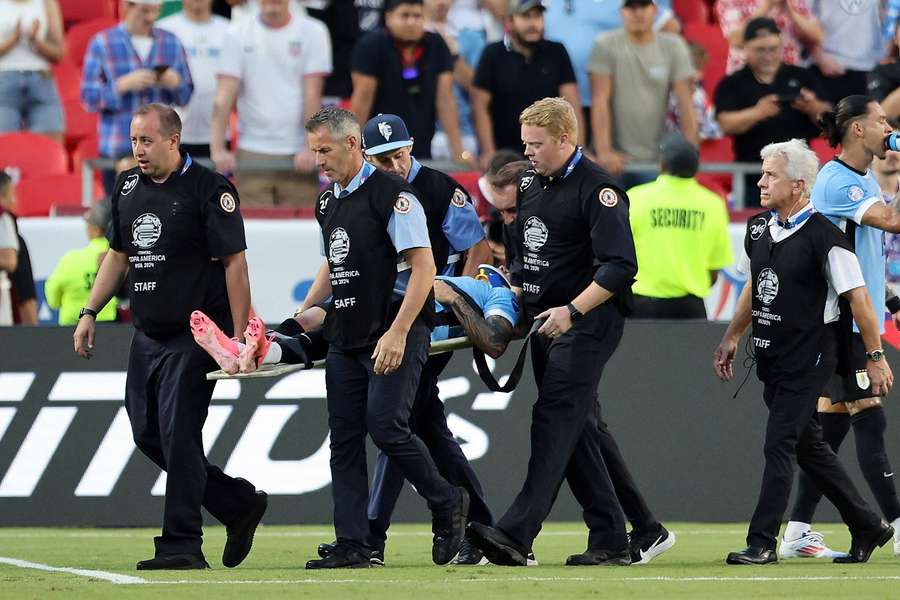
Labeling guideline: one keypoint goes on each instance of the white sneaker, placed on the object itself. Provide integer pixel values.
(810, 545)
(531, 561)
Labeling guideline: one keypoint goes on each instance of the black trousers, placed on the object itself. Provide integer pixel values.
(630, 498)
(685, 307)
(360, 401)
(167, 398)
(794, 437)
(429, 423)
(565, 438)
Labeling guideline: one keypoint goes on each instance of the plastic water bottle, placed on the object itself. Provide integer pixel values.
(892, 141)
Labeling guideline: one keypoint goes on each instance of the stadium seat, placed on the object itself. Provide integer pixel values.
(86, 149)
(691, 11)
(26, 155)
(42, 196)
(823, 150)
(76, 11)
(719, 151)
(79, 36)
(79, 123)
(710, 37)
(68, 80)
(712, 182)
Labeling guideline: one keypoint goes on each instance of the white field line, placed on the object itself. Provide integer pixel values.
(104, 575)
(119, 579)
(262, 533)
(417, 582)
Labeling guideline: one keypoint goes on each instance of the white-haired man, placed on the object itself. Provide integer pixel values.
(798, 264)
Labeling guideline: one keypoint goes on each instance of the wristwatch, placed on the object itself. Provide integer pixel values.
(574, 313)
(87, 311)
(875, 355)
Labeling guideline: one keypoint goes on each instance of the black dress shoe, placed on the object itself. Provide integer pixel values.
(342, 556)
(498, 547)
(752, 555)
(376, 556)
(174, 562)
(599, 557)
(240, 533)
(469, 554)
(449, 529)
(862, 544)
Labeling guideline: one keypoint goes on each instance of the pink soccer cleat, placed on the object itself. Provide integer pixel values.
(222, 348)
(256, 345)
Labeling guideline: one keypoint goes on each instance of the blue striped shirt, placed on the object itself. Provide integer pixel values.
(111, 55)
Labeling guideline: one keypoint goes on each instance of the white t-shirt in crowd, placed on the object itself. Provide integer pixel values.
(203, 44)
(249, 9)
(143, 44)
(271, 64)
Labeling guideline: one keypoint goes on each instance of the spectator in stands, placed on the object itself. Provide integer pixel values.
(707, 126)
(203, 35)
(889, 25)
(274, 69)
(249, 9)
(887, 172)
(767, 100)
(800, 29)
(465, 52)
(408, 71)
(845, 66)
(128, 65)
(31, 39)
(342, 21)
(482, 19)
(68, 287)
(576, 24)
(884, 83)
(24, 294)
(513, 74)
(681, 237)
(633, 70)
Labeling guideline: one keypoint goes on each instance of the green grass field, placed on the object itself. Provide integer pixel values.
(694, 568)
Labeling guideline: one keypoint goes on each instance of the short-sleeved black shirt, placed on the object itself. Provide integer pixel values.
(172, 232)
(741, 90)
(883, 80)
(516, 81)
(410, 92)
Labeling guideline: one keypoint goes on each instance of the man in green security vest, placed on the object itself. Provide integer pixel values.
(69, 285)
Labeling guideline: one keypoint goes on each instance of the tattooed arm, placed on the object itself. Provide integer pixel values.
(490, 335)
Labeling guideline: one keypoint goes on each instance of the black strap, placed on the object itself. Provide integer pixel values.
(485, 372)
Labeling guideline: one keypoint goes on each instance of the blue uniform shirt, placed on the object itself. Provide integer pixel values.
(491, 300)
(843, 195)
(461, 225)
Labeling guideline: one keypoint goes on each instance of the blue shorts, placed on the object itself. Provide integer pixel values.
(29, 101)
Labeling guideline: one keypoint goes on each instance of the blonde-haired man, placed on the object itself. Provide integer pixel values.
(575, 266)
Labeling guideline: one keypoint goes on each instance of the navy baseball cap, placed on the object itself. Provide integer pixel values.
(492, 276)
(385, 133)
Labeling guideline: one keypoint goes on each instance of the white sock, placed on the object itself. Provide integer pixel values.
(273, 355)
(896, 524)
(795, 530)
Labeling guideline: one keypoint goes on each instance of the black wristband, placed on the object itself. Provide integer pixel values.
(893, 304)
(89, 312)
